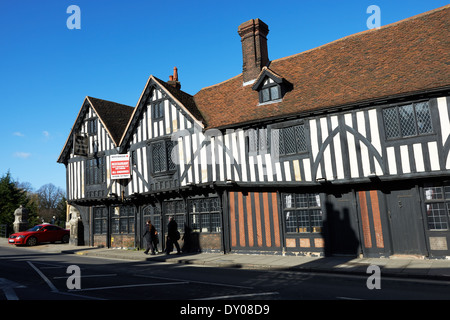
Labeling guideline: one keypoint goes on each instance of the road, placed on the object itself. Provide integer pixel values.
(27, 274)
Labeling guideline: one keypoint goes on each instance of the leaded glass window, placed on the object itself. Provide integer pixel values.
(204, 215)
(158, 110)
(161, 156)
(408, 120)
(257, 141)
(392, 128)
(100, 220)
(92, 126)
(292, 140)
(423, 118)
(158, 157)
(175, 209)
(153, 214)
(302, 212)
(437, 206)
(122, 220)
(95, 171)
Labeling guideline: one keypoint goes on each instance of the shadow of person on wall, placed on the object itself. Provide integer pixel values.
(191, 241)
(338, 232)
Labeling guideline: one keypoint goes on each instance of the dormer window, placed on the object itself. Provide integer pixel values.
(271, 87)
(270, 91)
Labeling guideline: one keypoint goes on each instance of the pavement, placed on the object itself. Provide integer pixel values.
(394, 266)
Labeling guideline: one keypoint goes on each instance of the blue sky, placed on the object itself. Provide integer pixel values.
(46, 69)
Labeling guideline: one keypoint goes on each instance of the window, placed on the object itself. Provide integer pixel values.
(95, 171)
(407, 121)
(177, 210)
(158, 110)
(153, 214)
(291, 140)
(204, 215)
(92, 126)
(270, 91)
(162, 156)
(81, 145)
(437, 205)
(122, 220)
(133, 158)
(51, 228)
(257, 141)
(271, 87)
(100, 220)
(270, 94)
(302, 212)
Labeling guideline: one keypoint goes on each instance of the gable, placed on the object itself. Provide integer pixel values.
(109, 120)
(265, 77)
(114, 117)
(179, 111)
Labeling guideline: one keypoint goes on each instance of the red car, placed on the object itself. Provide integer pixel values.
(41, 233)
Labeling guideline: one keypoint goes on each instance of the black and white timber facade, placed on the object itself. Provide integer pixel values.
(368, 176)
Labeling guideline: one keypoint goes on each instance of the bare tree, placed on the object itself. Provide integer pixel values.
(49, 197)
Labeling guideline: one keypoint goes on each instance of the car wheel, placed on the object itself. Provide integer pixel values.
(31, 241)
(65, 238)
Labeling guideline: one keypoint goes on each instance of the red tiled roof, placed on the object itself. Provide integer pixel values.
(401, 58)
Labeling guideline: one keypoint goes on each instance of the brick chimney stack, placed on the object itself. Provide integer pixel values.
(254, 48)
(173, 79)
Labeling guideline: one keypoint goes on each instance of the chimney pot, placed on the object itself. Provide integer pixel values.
(173, 79)
(175, 74)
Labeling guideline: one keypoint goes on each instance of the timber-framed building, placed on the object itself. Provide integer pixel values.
(342, 149)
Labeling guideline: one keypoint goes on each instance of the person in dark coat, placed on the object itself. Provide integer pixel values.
(156, 241)
(172, 236)
(149, 236)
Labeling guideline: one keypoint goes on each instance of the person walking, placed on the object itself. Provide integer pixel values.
(172, 236)
(149, 236)
(156, 241)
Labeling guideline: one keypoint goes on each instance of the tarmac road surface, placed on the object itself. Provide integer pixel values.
(33, 274)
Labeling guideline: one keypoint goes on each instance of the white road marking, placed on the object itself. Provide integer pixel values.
(194, 281)
(129, 286)
(240, 296)
(7, 286)
(89, 276)
(50, 284)
(348, 298)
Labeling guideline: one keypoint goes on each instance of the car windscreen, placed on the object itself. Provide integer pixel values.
(35, 228)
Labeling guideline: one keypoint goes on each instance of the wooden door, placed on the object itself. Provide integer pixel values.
(406, 223)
